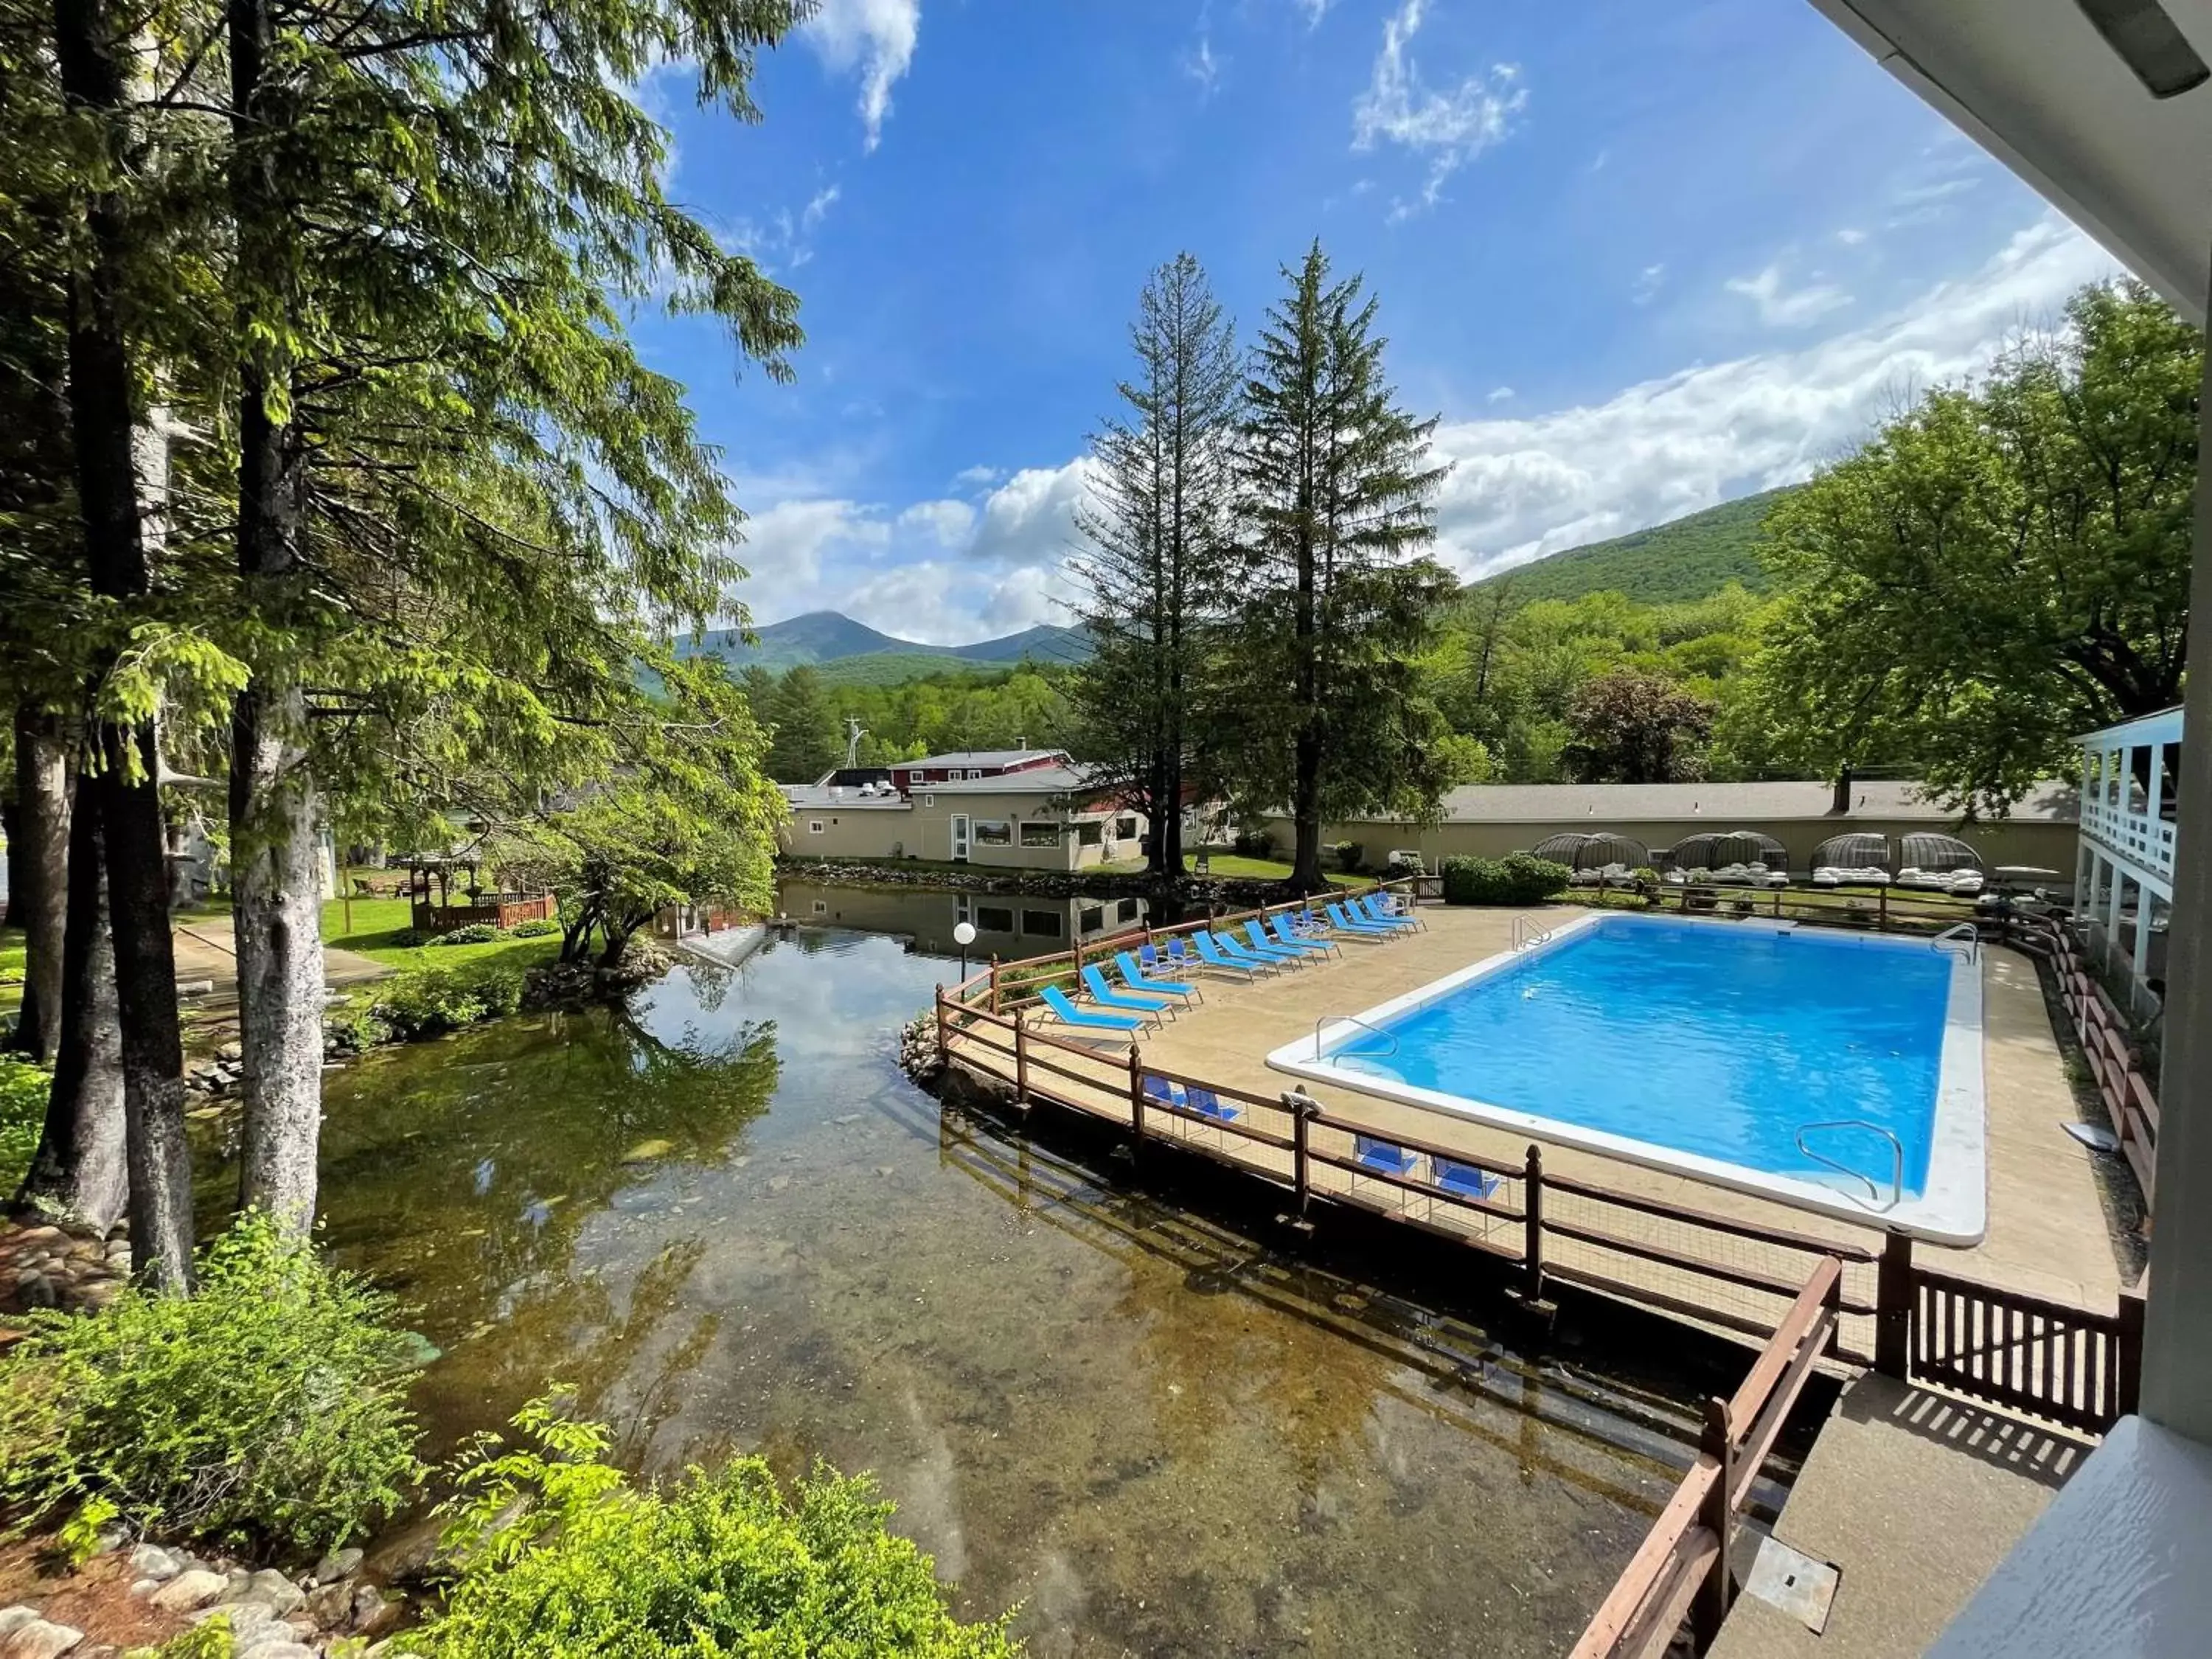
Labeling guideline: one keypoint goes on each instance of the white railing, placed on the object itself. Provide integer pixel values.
(2125, 788)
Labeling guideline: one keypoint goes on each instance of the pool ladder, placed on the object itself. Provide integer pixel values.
(1354, 1019)
(1958, 931)
(1896, 1150)
(1526, 933)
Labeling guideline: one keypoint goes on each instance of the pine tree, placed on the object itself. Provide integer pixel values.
(1331, 707)
(1160, 516)
(806, 744)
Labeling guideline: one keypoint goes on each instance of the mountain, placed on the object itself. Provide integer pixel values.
(1684, 559)
(850, 650)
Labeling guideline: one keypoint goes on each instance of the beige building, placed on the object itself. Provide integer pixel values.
(1041, 818)
(1491, 820)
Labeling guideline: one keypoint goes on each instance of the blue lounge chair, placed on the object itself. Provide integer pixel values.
(1270, 953)
(1368, 908)
(1193, 1098)
(1211, 953)
(1260, 939)
(1138, 980)
(1287, 932)
(1465, 1180)
(1386, 1156)
(1127, 1002)
(1347, 923)
(1068, 1014)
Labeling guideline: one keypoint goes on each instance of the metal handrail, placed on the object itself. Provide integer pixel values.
(1525, 934)
(1353, 1019)
(1897, 1155)
(1961, 930)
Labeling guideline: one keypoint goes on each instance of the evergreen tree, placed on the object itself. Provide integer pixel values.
(1337, 602)
(806, 744)
(1161, 513)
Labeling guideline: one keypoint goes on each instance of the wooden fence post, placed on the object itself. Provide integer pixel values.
(1881, 912)
(943, 1048)
(1531, 1207)
(1892, 1301)
(2129, 1398)
(995, 981)
(1136, 1106)
(1710, 1610)
(1301, 1112)
(1021, 1062)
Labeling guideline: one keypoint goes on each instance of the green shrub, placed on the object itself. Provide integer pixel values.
(1350, 854)
(476, 933)
(537, 928)
(268, 1408)
(23, 1088)
(1518, 878)
(1253, 844)
(558, 1556)
(425, 1002)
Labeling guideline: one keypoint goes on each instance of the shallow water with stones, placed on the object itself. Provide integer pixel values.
(724, 1216)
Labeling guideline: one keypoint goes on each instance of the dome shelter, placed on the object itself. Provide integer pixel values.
(1594, 852)
(1859, 851)
(1940, 855)
(1717, 850)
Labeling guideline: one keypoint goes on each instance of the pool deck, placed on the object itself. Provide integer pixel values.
(2048, 1230)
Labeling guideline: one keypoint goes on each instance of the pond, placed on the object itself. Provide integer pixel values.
(724, 1217)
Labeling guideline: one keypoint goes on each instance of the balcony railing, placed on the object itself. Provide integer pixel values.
(2128, 791)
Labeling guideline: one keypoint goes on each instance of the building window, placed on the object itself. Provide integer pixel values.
(814, 826)
(1089, 833)
(821, 906)
(1125, 827)
(993, 919)
(994, 832)
(974, 772)
(1043, 923)
(929, 800)
(1092, 919)
(1127, 910)
(1040, 832)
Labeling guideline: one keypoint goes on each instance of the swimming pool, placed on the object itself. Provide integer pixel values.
(1835, 1071)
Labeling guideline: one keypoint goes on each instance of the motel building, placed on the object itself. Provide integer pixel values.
(1004, 809)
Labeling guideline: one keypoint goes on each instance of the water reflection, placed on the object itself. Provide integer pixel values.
(724, 1216)
(1007, 925)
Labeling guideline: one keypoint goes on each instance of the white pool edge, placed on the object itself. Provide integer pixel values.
(1952, 1208)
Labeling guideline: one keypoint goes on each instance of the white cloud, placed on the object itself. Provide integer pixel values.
(876, 37)
(1780, 307)
(818, 209)
(1649, 282)
(1522, 488)
(948, 522)
(1850, 236)
(976, 476)
(1449, 128)
(1500, 394)
(1314, 9)
(1200, 64)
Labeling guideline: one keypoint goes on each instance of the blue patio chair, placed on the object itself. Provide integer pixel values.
(1067, 1013)
(1386, 1156)
(1347, 923)
(1288, 932)
(1243, 953)
(1365, 908)
(1204, 1100)
(1211, 953)
(1257, 934)
(1180, 954)
(1138, 980)
(1127, 1002)
(1465, 1180)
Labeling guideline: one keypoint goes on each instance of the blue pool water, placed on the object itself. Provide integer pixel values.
(1721, 1040)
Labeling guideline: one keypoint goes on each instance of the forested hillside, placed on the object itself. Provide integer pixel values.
(1673, 564)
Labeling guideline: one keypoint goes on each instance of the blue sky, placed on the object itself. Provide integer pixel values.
(1639, 255)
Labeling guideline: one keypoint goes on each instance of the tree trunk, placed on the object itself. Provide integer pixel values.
(38, 875)
(80, 1176)
(105, 430)
(276, 865)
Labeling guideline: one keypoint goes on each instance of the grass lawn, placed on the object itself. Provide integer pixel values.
(12, 952)
(1236, 864)
(381, 925)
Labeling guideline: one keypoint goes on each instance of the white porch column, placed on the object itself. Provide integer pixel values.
(2177, 1387)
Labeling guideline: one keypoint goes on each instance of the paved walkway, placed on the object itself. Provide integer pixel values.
(1914, 1497)
(207, 954)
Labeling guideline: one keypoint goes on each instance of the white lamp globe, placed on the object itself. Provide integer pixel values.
(964, 933)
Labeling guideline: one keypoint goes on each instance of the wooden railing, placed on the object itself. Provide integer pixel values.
(2128, 1097)
(1886, 910)
(1681, 1571)
(2076, 1367)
